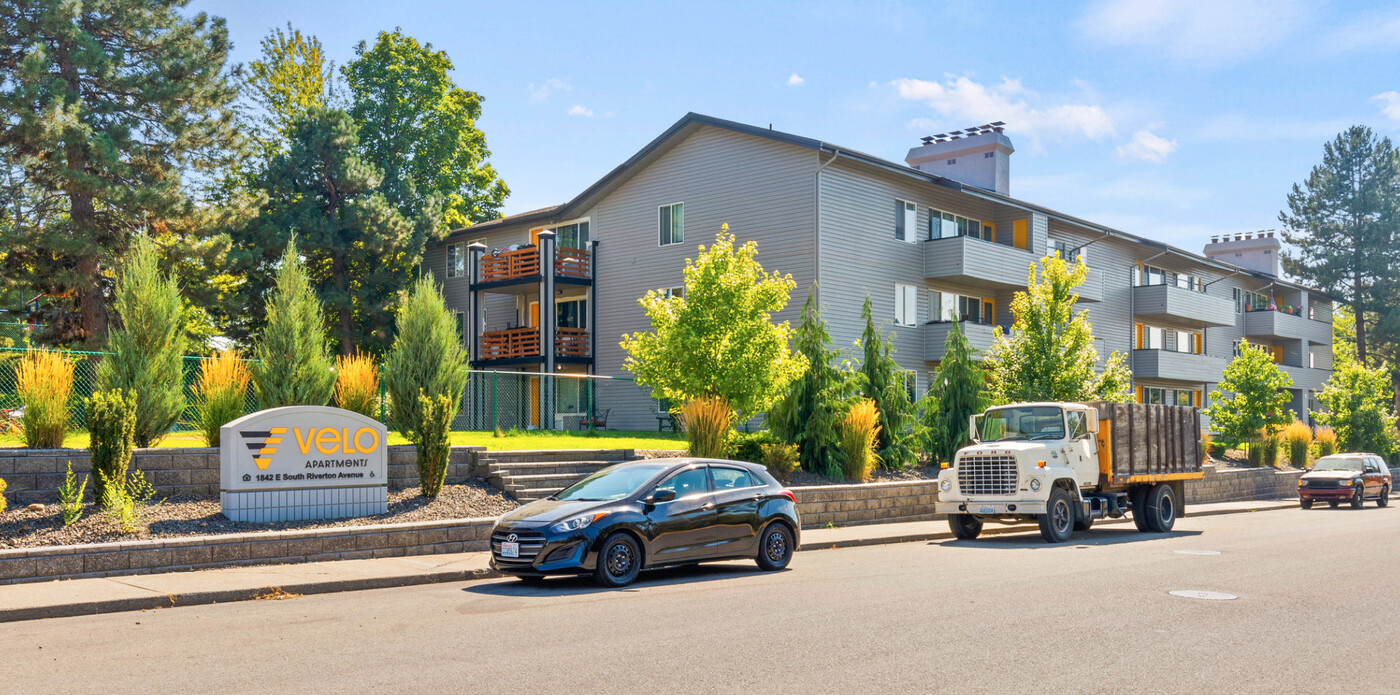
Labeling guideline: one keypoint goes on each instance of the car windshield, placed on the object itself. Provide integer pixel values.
(1023, 424)
(1338, 463)
(611, 484)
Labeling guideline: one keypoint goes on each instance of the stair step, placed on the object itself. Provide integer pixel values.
(558, 455)
(546, 468)
(534, 493)
(564, 479)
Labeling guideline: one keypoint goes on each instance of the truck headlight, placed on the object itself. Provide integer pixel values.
(1035, 484)
(945, 484)
(1344, 483)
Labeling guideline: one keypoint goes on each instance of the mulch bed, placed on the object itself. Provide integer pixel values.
(804, 478)
(200, 516)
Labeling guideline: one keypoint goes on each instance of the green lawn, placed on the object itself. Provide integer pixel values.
(512, 441)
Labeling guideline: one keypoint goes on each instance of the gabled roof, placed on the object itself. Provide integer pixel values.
(694, 121)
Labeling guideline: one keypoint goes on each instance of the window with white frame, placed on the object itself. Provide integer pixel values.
(1157, 338)
(906, 219)
(456, 260)
(1067, 251)
(671, 224)
(1147, 275)
(947, 306)
(669, 292)
(911, 384)
(945, 225)
(906, 301)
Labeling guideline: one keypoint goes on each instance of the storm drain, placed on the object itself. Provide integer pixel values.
(1203, 595)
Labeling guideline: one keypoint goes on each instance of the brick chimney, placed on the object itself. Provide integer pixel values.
(978, 156)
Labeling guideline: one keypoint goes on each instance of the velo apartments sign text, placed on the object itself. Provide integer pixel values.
(303, 462)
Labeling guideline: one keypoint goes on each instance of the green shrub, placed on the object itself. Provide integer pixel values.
(146, 347)
(708, 422)
(124, 498)
(292, 361)
(432, 444)
(111, 420)
(748, 446)
(780, 459)
(70, 496)
(426, 359)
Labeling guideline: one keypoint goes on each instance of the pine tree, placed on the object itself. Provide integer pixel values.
(111, 112)
(292, 363)
(883, 383)
(427, 359)
(957, 393)
(816, 401)
(147, 347)
(1257, 400)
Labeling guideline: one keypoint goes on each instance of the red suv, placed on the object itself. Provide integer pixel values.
(1341, 478)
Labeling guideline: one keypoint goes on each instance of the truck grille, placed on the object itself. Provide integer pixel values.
(987, 475)
(1322, 484)
(530, 544)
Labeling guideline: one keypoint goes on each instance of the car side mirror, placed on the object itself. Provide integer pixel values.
(661, 496)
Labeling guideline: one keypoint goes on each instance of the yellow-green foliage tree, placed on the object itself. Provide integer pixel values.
(1256, 400)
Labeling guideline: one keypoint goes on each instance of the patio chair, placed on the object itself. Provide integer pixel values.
(665, 419)
(598, 420)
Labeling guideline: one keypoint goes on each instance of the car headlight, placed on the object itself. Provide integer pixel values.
(945, 484)
(1345, 483)
(1035, 484)
(1302, 483)
(576, 523)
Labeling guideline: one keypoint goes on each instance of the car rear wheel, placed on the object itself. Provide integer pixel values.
(1161, 508)
(1305, 504)
(1057, 523)
(966, 527)
(1384, 500)
(619, 562)
(775, 548)
(1358, 498)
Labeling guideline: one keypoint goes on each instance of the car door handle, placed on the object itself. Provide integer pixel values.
(707, 506)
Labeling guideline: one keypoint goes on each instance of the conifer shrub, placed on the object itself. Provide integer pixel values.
(357, 384)
(70, 496)
(708, 422)
(748, 446)
(44, 384)
(111, 420)
(1297, 438)
(292, 362)
(222, 389)
(426, 358)
(859, 431)
(780, 459)
(432, 443)
(1326, 441)
(146, 347)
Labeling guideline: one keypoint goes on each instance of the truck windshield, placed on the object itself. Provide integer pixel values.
(1023, 424)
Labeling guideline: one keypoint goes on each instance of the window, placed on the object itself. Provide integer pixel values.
(672, 224)
(1235, 349)
(910, 385)
(572, 314)
(571, 236)
(686, 483)
(945, 225)
(1312, 360)
(906, 300)
(906, 220)
(669, 292)
(730, 478)
(1147, 275)
(946, 306)
(1155, 338)
(1078, 424)
(1067, 251)
(456, 260)
(460, 319)
(1251, 301)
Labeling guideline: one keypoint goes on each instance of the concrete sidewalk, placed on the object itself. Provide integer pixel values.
(57, 599)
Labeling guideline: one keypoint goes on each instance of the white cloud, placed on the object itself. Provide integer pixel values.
(1147, 146)
(795, 80)
(1193, 31)
(961, 101)
(1390, 104)
(539, 93)
(580, 110)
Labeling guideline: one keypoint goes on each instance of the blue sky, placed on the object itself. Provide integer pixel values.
(1171, 119)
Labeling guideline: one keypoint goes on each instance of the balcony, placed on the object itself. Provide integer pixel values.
(1278, 324)
(976, 264)
(522, 346)
(1177, 366)
(979, 336)
(1176, 304)
(1305, 378)
(523, 267)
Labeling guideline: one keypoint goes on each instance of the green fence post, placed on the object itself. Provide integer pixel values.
(494, 425)
(381, 393)
(588, 408)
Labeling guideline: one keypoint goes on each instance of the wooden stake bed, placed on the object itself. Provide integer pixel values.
(1148, 443)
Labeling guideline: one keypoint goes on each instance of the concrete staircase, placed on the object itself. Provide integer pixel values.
(531, 475)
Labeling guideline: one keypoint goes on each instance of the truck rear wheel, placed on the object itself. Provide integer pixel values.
(1161, 508)
(1057, 523)
(965, 527)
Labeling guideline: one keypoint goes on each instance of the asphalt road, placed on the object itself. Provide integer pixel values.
(1316, 611)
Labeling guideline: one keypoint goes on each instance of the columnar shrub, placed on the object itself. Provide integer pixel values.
(1297, 438)
(222, 389)
(810, 413)
(292, 361)
(859, 430)
(357, 384)
(883, 382)
(1326, 441)
(431, 442)
(111, 419)
(45, 389)
(146, 349)
(426, 358)
(707, 422)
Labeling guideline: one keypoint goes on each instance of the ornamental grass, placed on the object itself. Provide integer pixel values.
(45, 388)
(707, 422)
(1326, 441)
(1297, 438)
(221, 391)
(357, 384)
(858, 432)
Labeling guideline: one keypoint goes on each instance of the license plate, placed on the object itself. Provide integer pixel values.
(986, 509)
(510, 549)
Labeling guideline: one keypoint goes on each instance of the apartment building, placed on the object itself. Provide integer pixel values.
(931, 241)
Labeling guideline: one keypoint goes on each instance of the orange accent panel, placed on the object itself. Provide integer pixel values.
(1019, 238)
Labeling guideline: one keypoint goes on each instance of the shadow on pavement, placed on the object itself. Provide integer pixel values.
(1031, 539)
(576, 585)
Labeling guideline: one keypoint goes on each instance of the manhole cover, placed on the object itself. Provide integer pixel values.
(1197, 552)
(1203, 595)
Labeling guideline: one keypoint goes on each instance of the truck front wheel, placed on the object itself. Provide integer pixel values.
(1161, 508)
(1057, 523)
(965, 527)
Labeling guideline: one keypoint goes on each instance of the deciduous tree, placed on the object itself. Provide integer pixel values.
(1252, 397)
(1359, 407)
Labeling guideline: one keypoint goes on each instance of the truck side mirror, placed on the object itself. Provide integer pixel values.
(973, 431)
(1092, 417)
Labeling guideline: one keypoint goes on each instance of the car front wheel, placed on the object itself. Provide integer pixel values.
(619, 562)
(966, 527)
(775, 548)
(1305, 504)
(1358, 498)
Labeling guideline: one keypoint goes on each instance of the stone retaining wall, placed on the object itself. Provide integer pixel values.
(1242, 484)
(871, 503)
(268, 548)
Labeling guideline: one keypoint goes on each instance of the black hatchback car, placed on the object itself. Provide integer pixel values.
(648, 514)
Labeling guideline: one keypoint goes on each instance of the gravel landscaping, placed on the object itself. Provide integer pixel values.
(188, 516)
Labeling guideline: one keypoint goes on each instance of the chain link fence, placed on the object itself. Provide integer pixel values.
(492, 399)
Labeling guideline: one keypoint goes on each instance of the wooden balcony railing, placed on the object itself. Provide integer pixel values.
(525, 342)
(575, 263)
(510, 264)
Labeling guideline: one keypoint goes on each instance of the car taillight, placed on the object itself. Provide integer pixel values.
(788, 494)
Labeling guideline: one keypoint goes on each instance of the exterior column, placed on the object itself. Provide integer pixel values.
(474, 253)
(548, 318)
(593, 307)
